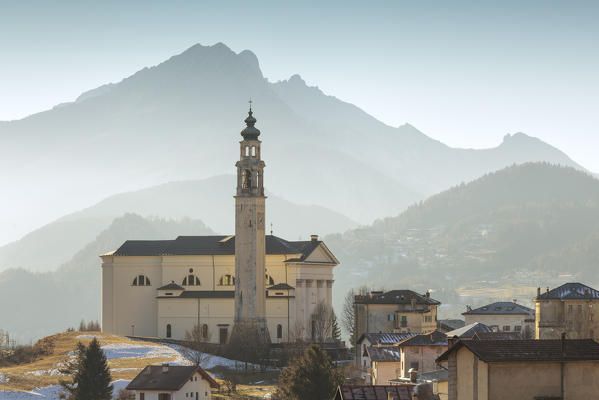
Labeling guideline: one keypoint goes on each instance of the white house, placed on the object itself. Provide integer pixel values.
(169, 382)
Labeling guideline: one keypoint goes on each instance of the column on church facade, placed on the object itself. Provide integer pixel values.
(329, 295)
(321, 292)
(300, 305)
(308, 309)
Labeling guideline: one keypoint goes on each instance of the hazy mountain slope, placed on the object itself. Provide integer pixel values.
(210, 200)
(180, 120)
(37, 304)
(526, 225)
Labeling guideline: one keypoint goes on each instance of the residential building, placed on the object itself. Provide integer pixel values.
(385, 364)
(419, 353)
(164, 288)
(170, 382)
(522, 369)
(398, 311)
(571, 308)
(379, 340)
(503, 316)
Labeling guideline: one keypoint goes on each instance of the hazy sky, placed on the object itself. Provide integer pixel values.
(463, 72)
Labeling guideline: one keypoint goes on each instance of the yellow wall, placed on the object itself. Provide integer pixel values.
(382, 372)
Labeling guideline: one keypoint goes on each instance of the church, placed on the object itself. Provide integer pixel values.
(216, 284)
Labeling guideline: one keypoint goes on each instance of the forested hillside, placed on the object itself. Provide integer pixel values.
(509, 231)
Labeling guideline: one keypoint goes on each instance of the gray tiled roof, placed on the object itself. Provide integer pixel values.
(171, 286)
(469, 330)
(529, 350)
(396, 297)
(203, 294)
(385, 338)
(435, 338)
(209, 245)
(153, 377)
(570, 291)
(384, 354)
(498, 336)
(382, 392)
(501, 308)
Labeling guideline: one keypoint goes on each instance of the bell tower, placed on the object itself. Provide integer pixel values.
(250, 239)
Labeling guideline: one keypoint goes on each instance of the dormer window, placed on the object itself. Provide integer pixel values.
(141, 280)
(191, 280)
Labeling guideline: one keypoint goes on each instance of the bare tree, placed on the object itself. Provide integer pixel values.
(194, 351)
(322, 323)
(348, 316)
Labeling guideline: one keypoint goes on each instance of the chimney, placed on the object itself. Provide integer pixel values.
(468, 308)
(314, 238)
(538, 291)
(427, 294)
(514, 300)
(564, 344)
(165, 368)
(547, 289)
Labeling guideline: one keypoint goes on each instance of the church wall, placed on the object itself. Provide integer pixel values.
(133, 308)
(277, 311)
(107, 301)
(182, 315)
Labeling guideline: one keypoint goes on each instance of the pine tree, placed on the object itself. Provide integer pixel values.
(336, 332)
(312, 376)
(90, 374)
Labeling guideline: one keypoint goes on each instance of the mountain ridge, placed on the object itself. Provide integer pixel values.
(179, 120)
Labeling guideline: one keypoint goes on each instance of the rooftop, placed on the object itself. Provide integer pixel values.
(210, 245)
(497, 336)
(501, 308)
(382, 392)
(435, 338)
(384, 354)
(385, 338)
(570, 291)
(396, 297)
(171, 286)
(469, 330)
(529, 350)
(154, 377)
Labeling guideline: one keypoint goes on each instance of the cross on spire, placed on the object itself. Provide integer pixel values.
(250, 104)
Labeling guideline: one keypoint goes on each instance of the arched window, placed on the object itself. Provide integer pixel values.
(141, 280)
(226, 280)
(246, 179)
(279, 331)
(191, 280)
(168, 330)
(269, 280)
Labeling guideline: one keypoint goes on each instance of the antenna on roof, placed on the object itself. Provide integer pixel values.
(271, 229)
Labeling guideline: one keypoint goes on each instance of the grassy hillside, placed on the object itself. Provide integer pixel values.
(38, 304)
(496, 237)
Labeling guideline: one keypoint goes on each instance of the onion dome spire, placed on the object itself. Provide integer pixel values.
(250, 132)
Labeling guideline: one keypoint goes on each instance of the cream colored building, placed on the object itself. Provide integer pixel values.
(503, 316)
(396, 311)
(385, 365)
(164, 288)
(522, 369)
(572, 308)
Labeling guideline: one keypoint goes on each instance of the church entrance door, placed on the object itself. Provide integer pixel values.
(223, 335)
